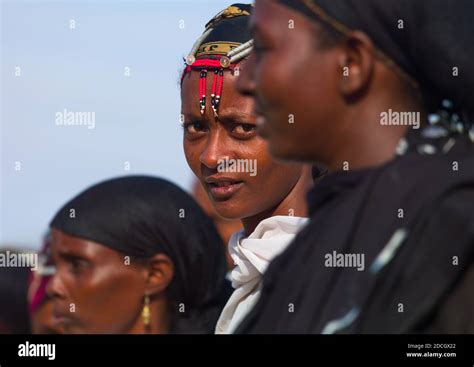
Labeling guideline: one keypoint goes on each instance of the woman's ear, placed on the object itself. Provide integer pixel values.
(160, 273)
(357, 61)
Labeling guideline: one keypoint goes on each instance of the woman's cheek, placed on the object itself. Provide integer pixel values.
(192, 158)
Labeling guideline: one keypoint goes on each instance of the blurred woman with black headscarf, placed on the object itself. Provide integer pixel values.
(382, 94)
(136, 255)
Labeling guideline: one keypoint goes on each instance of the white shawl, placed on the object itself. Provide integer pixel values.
(251, 256)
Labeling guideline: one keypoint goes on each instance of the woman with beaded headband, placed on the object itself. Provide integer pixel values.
(232, 162)
(391, 241)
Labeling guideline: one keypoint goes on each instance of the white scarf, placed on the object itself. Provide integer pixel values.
(251, 256)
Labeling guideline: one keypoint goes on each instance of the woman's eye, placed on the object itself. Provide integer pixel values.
(244, 130)
(192, 128)
(77, 265)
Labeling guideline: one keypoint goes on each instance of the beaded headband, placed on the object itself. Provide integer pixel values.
(211, 53)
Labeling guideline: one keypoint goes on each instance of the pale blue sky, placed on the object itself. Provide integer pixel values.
(82, 69)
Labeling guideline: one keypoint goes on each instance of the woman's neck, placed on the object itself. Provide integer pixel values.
(294, 204)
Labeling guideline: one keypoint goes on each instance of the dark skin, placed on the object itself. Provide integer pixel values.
(294, 71)
(277, 189)
(95, 291)
(225, 227)
(42, 320)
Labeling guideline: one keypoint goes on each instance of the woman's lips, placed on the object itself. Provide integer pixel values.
(60, 318)
(222, 190)
(59, 321)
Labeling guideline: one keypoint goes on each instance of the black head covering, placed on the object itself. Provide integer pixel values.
(437, 36)
(142, 216)
(226, 41)
(230, 28)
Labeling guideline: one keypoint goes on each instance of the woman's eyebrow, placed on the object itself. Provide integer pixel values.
(236, 116)
(65, 254)
(69, 253)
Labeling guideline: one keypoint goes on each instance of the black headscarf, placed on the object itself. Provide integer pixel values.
(142, 216)
(231, 26)
(437, 36)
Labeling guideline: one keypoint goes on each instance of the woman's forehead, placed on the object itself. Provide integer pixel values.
(231, 98)
(69, 245)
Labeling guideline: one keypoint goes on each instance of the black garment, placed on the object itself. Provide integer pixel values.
(358, 212)
(142, 216)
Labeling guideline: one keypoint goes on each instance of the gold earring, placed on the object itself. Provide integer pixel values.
(146, 312)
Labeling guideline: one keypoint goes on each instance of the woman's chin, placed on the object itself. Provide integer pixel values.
(229, 215)
(227, 210)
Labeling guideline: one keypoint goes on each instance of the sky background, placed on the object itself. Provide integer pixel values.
(82, 69)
